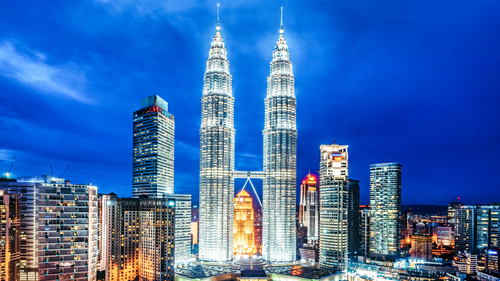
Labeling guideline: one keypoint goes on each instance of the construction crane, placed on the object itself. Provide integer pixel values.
(7, 172)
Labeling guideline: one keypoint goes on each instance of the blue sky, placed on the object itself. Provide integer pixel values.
(414, 82)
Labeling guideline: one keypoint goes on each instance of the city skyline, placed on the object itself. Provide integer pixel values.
(52, 87)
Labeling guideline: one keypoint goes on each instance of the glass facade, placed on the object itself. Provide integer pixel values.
(153, 149)
(385, 203)
(334, 204)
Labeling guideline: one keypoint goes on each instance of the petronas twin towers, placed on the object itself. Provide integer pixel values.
(217, 172)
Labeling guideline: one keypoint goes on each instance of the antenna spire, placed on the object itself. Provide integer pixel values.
(281, 27)
(218, 27)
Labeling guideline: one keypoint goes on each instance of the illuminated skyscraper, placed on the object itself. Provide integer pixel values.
(309, 208)
(334, 204)
(280, 159)
(153, 149)
(385, 202)
(217, 157)
(244, 235)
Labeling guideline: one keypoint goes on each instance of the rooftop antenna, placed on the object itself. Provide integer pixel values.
(51, 171)
(334, 142)
(218, 27)
(281, 27)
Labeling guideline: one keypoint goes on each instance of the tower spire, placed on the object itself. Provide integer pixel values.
(218, 26)
(281, 26)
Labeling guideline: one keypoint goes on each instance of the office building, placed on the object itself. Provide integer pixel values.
(421, 247)
(153, 149)
(364, 230)
(244, 218)
(466, 263)
(58, 228)
(385, 203)
(309, 208)
(217, 157)
(334, 205)
(452, 206)
(280, 159)
(444, 236)
(492, 259)
(477, 230)
(353, 219)
(10, 240)
(182, 228)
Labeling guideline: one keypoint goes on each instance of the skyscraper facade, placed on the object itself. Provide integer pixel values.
(334, 205)
(364, 230)
(309, 208)
(217, 157)
(280, 159)
(385, 203)
(153, 149)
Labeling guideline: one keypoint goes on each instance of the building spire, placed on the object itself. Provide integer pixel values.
(281, 26)
(218, 26)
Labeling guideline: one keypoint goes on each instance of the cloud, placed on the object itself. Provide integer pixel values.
(32, 71)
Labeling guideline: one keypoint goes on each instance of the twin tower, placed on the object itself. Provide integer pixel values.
(217, 172)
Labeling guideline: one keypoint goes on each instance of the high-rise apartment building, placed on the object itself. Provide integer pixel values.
(280, 158)
(141, 236)
(120, 230)
(385, 203)
(244, 217)
(156, 243)
(153, 149)
(59, 228)
(10, 240)
(217, 157)
(334, 205)
(353, 219)
(309, 208)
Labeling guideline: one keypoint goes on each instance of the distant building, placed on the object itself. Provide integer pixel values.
(421, 247)
(466, 263)
(385, 202)
(10, 240)
(452, 206)
(364, 230)
(59, 228)
(153, 149)
(444, 236)
(492, 259)
(244, 218)
(353, 219)
(477, 229)
(309, 208)
(334, 205)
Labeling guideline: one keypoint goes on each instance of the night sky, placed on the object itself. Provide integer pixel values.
(414, 82)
